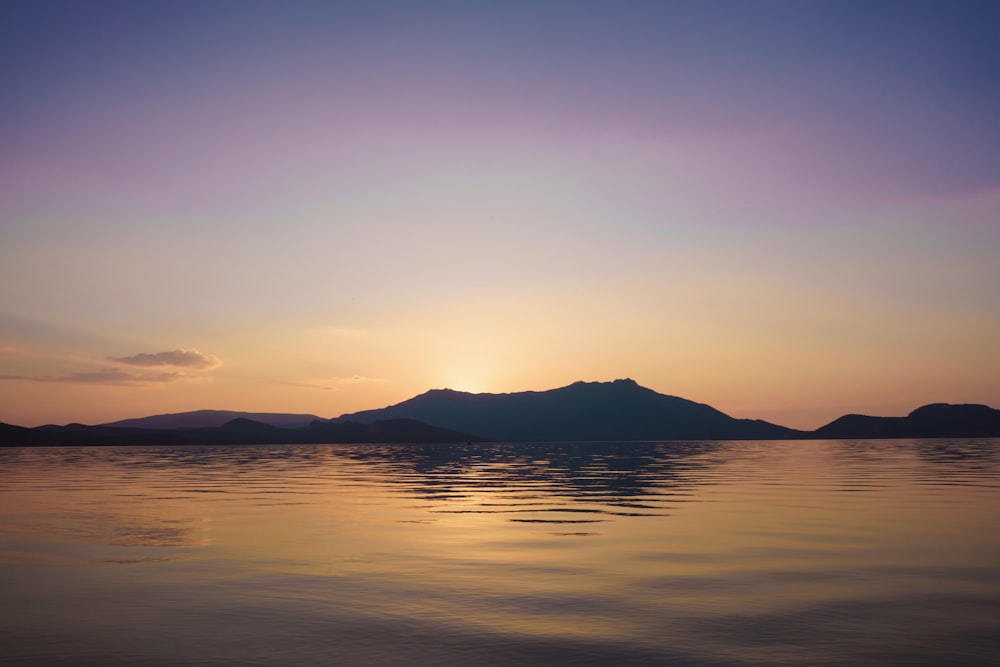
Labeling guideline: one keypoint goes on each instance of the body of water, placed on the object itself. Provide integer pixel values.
(698, 553)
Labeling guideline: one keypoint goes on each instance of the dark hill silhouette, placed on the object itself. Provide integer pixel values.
(386, 430)
(239, 431)
(19, 435)
(583, 411)
(81, 434)
(619, 410)
(213, 419)
(938, 420)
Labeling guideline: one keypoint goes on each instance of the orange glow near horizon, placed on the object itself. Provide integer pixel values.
(753, 348)
(321, 235)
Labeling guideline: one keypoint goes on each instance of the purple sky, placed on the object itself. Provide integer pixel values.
(788, 210)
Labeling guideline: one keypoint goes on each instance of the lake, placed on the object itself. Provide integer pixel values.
(674, 553)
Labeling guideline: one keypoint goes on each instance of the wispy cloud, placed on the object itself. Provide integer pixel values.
(110, 376)
(180, 358)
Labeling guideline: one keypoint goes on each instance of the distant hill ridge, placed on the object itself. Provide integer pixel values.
(619, 410)
(213, 419)
(239, 431)
(938, 420)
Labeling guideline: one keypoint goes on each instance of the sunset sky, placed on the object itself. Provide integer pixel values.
(787, 210)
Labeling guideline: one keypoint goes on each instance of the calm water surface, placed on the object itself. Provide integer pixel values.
(701, 553)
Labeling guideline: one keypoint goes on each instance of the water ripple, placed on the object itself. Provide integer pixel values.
(690, 553)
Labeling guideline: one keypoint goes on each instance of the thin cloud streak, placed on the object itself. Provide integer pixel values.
(113, 377)
(334, 383)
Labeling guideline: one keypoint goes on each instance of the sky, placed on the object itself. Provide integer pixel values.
(787, 210)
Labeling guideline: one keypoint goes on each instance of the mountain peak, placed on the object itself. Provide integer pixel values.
(619, 383)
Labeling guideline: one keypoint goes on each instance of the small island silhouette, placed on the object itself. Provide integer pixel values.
(621, 410)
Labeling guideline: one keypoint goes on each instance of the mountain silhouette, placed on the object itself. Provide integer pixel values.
(239, 431)
(938, 420)
(619, 410)
(583, 411)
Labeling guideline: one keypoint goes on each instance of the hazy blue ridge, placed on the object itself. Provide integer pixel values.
(213, 419)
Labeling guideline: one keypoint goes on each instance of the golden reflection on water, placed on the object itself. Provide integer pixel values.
(657, 546)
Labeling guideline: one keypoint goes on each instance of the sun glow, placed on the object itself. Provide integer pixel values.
(468, 387)
(471, 380)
